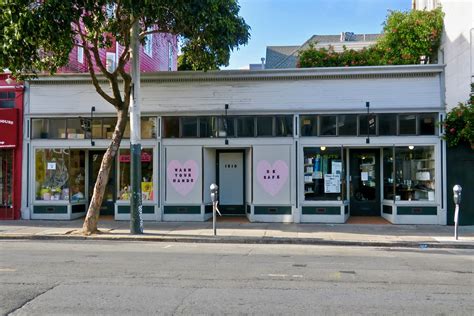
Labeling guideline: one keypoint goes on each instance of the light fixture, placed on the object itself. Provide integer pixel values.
(411, 147)
(323, 148)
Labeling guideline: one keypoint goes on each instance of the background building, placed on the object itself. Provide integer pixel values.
(281, 57)
(456, 50)
(11, 140)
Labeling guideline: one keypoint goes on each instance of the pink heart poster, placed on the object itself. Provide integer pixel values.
(272, 178)
(182, 177)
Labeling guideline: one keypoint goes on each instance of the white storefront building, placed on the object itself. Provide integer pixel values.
(292, 145)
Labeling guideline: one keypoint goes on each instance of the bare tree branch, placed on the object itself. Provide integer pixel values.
(92, 73)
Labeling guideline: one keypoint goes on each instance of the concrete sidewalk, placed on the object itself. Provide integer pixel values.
(423, 236)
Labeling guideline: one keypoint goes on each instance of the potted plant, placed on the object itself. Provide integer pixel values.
(459, 125)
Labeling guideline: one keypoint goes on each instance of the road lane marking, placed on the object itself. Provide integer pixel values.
(7, 270)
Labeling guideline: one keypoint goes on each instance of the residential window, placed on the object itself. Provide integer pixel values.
(80, 54)
(7, 100)
(148, 47)
(110, 62)
(170, 56)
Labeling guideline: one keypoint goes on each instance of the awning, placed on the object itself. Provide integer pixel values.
(8, 128)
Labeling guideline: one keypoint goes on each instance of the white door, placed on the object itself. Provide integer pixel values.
(231, 178)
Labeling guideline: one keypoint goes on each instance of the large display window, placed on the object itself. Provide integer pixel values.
(415, 173)
(323, 174)
(147, 175)
(59, 174)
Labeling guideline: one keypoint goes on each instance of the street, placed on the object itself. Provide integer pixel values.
(143, 278)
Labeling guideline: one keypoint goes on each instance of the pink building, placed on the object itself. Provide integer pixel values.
(158, 54)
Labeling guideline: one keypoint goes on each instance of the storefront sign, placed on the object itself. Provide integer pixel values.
(182, 177)
(272, 177)
(332, 183)
(8, 128)
(146, 157)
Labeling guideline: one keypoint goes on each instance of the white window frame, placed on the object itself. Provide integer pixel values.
(80, 54)
(110, 62)
(148, 47)
(170, 56)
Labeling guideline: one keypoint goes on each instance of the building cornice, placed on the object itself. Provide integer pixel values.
(320, 73)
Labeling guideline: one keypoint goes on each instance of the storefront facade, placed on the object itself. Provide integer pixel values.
(283, 146)
(11, 136)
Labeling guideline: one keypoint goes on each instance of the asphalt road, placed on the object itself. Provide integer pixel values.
(143, 278)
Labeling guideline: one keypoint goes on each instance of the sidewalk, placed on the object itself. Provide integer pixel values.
(423, 236)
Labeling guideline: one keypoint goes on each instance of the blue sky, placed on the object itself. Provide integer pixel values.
(292, 22)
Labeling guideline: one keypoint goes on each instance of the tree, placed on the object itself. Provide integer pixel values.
(39, 35)
(184, 63)
(407, 36)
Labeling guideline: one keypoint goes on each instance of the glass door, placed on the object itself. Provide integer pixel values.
(6, 183)
(95, 160)
(365, 182)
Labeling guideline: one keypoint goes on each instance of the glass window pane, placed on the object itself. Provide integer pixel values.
(189, 126)
(148, 127)
(147, 175)
(327, 125)
(245, 126)
(77, 174)
(170, 127)
(229, 126)
(265, 126)
(347, 125)
(208, 126)
(318, 165)
(54, 128)
(309, 125)
(39, 128)
(427, 124)
(284, 125)
(388, 176)
(52, 174)
(7, 104)
(415, 173)
(108, 127)
(76, 128)
(96, 129)
(387, 124)
(371, 120)
(407, 124)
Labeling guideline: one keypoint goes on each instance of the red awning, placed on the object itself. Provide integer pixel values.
(8, 128)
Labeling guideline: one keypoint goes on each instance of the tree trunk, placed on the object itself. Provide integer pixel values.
(92, 216)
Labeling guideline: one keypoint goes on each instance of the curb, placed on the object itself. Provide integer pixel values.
(246, 240)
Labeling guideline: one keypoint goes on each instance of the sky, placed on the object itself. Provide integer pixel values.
(292, 22)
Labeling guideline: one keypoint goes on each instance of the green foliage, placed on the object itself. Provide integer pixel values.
(459, 125)
(185, 64)
(406, 37)
(39, 37)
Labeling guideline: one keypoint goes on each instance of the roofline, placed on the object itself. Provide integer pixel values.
(267, 74)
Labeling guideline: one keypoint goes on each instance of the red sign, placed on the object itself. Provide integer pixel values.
(8, 128)
(146, 157)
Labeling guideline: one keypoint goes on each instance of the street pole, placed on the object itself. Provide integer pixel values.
(136, 220)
